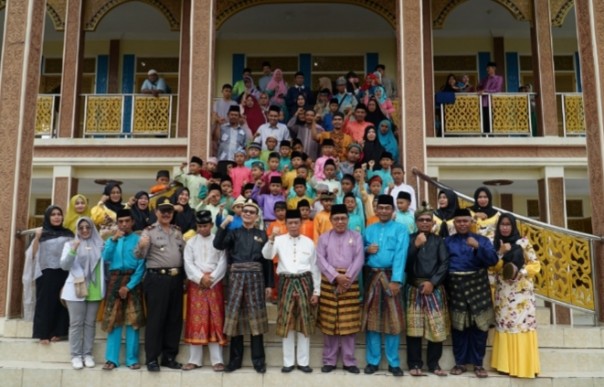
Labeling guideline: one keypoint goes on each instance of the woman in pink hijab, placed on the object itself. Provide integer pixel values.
(277, 88)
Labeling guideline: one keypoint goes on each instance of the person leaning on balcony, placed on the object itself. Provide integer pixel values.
(154, 84)
(493, 83)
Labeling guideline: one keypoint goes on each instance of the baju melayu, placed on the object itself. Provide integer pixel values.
(427, 315)
(299, 280)
(470, 302)
(322, 224)
(407, 219)
(205, 306)
(339, 313)
(124, 270)
(382, 312)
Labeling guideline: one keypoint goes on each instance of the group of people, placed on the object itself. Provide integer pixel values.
(345, 261)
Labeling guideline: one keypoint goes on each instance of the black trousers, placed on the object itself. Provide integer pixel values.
(414, 353)
(163, 297)
(236, 351)
(51, 317)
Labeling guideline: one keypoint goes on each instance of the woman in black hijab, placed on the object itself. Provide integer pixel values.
(372, 148)
(443, 216)
(105, 212)
(184, 215)
(51, 320)
(485, 216)
(374, 113)
(143, 217)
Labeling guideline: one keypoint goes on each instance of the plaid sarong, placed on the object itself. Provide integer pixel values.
(470, 300)
(339, 314)
(427, 315)
(382, 312)
(245, 311)
(118, 312)
(295, 311)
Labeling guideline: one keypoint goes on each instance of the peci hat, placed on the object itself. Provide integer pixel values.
(293, 214)
(338, 209)
(196, 160)
(385, 200)
(404, 195)
(123, 213)
(462, 212)
(203, 217)
(162, 173)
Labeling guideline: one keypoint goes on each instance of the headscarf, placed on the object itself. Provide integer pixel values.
(488, 210)
(388, 140)
(89, 252)
(71, 216)
(514, 235)
(185, 220)
(278, 87)
(384, 96)
(113, 206)
(372, 150)
(254, 115)
(377, 116)
(446, 213)
(51, 232)
(252, 90)
(142, 218)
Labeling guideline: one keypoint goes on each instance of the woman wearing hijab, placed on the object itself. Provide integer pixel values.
(253, 114)
(250, 89)
(387, 138)
(78, 207)
(51, 319)
(184, 215)
(384, 102)
(83, 291)
(277, 89)
(443, 216)
(374, 113)
(372, 149)
(515, 346)
(485, 216)
(104, 213)
(141, 214)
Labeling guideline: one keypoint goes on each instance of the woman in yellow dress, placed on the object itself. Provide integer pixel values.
(485, 216)
(515, 347)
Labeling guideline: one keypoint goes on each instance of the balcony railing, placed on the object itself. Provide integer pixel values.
(47, 107)
(571, 114)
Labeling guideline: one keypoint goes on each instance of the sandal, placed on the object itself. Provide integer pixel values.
(218, 367)
(416, 371)
(135, 366)
(44, 341)
(480, 372)
(55, 339)
(458, 370)
(190, 366)
(109, 366)
(439, 372)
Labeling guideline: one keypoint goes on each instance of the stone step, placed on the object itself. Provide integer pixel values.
(17, 374)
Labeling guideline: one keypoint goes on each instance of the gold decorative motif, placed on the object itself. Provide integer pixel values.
(559, 10)
(510, 114)
(103, 115)
(151, 115)
(463, 116)
(520, 10)
(566, 269)
(44, 114)
(574, 115)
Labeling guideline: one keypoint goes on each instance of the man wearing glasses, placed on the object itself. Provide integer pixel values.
(250, 281)
(386, 244)
(426, 313)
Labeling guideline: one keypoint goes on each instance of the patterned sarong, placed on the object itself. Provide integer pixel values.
(295, 311)
(246, 307)
(118, 312)
(427, 315)
(382, 312)
(470, 300)
(205, 315)
(339, 314)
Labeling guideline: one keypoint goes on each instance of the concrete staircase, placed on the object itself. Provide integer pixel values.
(570, 356)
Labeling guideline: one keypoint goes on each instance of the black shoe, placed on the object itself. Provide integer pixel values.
(395, 371)
(328, 368)
(371, 369)
(260, 369)
(152, 366)
(352, 369)
(287, 370)
(231, 367)
(306, 369)
(171, 363)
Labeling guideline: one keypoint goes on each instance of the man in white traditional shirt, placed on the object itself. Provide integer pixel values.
(299, 289)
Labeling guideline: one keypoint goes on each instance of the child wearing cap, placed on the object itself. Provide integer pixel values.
(253, 155)
(307, 226)
(285, 150)
(266, 201)
(299, 193)
(403, 215)
(162, 180)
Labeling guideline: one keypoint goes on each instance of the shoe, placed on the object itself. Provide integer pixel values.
(89, 361)
(260, 369)
(231, 367)
(218, 367)
(153, 366)
(76, 363)
(371, 369)
(328, 368)
(190, 366)
(395, 371)
(287, 370)
(352, 369)
(110, 366)
(306, 369)
(171, 363)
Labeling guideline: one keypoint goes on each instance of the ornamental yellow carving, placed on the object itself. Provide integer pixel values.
(44, 115)
(103, 115)
(151, 115)
(510, 114)
(574, 115)
(463, 116)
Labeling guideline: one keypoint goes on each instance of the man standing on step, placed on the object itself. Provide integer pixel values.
(161, 244)
(340, 257)
(386, 244)
(299, 289)
(469, 293)
(250, 282)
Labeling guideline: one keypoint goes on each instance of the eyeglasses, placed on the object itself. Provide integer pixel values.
(249, 212)
(424, 220)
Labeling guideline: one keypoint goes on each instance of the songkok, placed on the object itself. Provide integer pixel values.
(461, 212)
(275, 180)
(203, 217)
(274, 108)
(338, 209)
(234, 108)
(328, 142)
(386, 155)
(358, 165)
(248, 186)
(163, 173)
(286, 143)
(254, 144)
(303, 203)
(213, 187)
(123, 213)
(425, 209)
(299, 181)
(385, 200)
(258, 164)
(341, 81)
(164, 203)
(150, 72)
(329, 162)
(404, 195)
(196, 160)
(293, 214)
(326, 196)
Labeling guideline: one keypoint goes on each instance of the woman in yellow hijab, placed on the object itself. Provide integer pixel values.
(78, 207)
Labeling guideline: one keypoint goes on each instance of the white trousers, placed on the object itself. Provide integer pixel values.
(289, 349)
(196, 354)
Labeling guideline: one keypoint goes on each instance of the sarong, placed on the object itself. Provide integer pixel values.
(470, 300)
(245, 311)
(339, 313)
(118, 312)
(205, 315)
(427, 315)
(295, 311)
(382, 312)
